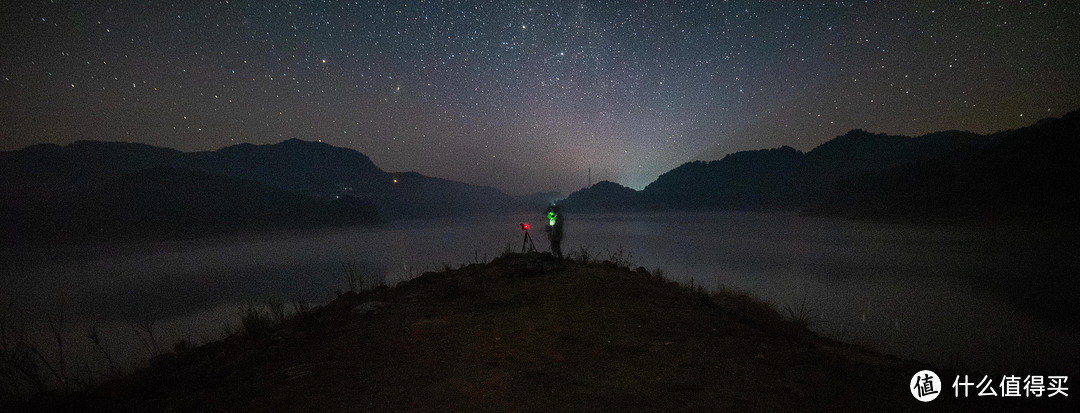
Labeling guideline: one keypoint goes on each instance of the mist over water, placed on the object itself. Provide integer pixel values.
(945, 295)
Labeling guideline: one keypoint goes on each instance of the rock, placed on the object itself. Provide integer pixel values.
(368, 307)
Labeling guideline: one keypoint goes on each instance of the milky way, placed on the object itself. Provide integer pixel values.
(526, 96)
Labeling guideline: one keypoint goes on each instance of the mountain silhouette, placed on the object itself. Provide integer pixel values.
(102, 190)
(314, 168)
(1024, 173)
(860, 152)
(112, 190)
(167, 203)
(412, 195)
(604, 196)
(743, 180)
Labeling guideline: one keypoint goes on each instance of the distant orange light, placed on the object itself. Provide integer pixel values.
(395, 181)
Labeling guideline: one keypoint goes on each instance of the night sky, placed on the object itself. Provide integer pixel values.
(525, 96)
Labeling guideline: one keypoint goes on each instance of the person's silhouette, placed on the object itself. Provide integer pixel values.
(554, 229)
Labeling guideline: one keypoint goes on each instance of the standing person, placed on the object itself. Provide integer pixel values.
(554, 229)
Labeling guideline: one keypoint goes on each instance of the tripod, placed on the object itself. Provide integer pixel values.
(528, 238)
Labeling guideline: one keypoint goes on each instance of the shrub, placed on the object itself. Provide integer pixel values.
(621, 258)
(255, 320)
(582, 255)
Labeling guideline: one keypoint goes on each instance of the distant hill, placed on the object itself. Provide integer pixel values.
(537, 201)
(1028, 173)
(604, 196)
(859, 152)
(412, 195)
(314, 168)
(1016, 174)
(110, 190)
(166, 203)
(744, 180)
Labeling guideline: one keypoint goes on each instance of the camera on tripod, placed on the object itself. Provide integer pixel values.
(528, 239)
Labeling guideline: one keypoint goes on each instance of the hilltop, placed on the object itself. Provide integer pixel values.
(522, 333)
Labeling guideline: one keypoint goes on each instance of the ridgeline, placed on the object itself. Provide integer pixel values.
(522, 333)
(1017, 176)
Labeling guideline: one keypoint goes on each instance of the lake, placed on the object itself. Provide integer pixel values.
(970, 298)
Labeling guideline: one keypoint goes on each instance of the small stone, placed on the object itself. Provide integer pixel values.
(367, 307)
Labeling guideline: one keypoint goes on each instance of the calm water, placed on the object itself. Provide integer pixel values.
(944, 295)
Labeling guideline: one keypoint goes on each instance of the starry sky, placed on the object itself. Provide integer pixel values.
(527, 96)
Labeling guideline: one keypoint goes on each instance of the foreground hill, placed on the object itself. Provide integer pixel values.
(522, 334)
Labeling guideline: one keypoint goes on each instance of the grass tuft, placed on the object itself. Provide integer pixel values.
(802, 315)
(256, 320)
(352, 276)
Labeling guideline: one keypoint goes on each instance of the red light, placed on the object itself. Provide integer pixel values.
(526, 226)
